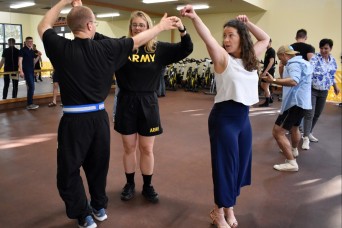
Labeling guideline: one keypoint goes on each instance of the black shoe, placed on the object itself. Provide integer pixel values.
(128, 192)
(271, 99)
(264, 105)
(149, 193)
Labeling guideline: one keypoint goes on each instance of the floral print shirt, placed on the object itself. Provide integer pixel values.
(324, 72)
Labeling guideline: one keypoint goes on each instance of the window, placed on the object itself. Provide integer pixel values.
(10, 31)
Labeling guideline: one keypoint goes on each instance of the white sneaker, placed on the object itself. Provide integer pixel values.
(306, 143)
(313, 138)
(295, 152)
(287, 166)
(32, 106)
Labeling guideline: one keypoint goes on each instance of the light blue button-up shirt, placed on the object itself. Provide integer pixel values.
(299, 70)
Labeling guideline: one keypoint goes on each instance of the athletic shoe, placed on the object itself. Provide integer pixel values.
(149, 194)
(295, 152)
(313, 138)
(86, 222)
(287, 166)
(100, 215)
(306, 143)
(128, 192)
(32, 107)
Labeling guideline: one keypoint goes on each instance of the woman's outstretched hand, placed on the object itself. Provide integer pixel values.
(188, 11)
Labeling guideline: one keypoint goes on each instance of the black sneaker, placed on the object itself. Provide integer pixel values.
(271, 99)
(128, 192)
(149, 193)
(264, 105)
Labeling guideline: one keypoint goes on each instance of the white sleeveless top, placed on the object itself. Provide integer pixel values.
(237, 84)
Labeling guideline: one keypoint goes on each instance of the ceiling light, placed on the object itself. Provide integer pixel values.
(196, 7)
(107, 15)
(65, 11)
(21, 5)
(157, 1)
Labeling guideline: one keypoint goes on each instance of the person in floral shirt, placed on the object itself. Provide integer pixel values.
(323, 78)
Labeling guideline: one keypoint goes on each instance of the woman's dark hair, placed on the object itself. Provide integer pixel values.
(326, 41)
(249, 59)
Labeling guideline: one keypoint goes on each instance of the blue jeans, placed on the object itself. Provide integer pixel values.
(29, 78)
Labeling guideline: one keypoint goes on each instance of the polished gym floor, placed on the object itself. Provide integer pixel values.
(182, 177)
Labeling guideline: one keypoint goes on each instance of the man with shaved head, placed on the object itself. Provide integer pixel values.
(86, 67)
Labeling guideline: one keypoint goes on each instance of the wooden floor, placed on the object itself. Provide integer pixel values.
(308, 198)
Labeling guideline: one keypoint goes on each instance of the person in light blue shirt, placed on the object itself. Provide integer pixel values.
(323, 78)
(296, 82)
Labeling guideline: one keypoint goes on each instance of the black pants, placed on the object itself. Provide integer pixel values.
(83, 141)
(6, 86)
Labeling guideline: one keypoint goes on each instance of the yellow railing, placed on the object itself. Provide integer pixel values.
(44, 72)
(331, 94)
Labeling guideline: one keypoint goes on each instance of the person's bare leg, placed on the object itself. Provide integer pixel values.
(54, 92)
(146, 154)
(230, 217)
(284, 144)
(129, 156)
(217, 217)
(295, 136)
(266, 87)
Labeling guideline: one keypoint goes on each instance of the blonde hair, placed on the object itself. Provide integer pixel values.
(151, 46)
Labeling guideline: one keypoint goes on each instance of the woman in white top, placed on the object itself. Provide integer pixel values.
(235, 64)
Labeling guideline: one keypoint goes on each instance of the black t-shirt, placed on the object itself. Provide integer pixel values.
(28, 59)
(303, 49)
(270, 53)
(11, 56)
(142, 72)
(85, 66)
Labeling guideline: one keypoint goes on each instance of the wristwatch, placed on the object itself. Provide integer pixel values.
(274, 80)
(182, 30)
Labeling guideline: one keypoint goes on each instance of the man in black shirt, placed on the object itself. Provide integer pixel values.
(10, 58)
(269, 67)
(304, 49)
(27, 61)
(86, 69)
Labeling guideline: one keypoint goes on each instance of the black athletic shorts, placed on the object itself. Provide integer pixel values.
(291, 117)
(271, 72)
(137, 112)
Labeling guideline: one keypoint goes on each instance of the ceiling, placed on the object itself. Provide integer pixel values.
(125, 7)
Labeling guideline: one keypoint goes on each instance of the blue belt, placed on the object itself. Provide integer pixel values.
(83, 108)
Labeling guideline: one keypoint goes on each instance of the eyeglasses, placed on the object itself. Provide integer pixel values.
(96, 23)
(141, 25)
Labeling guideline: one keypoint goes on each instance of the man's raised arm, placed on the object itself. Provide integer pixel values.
(52, 15)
